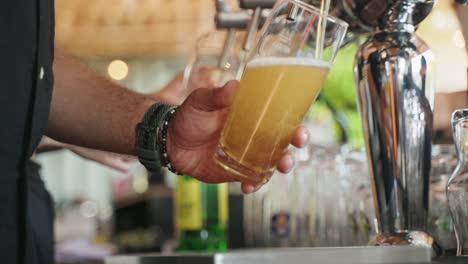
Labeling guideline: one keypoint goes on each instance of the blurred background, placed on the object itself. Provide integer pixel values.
(143, 45)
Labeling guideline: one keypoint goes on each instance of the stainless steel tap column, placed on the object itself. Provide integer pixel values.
(394, 72)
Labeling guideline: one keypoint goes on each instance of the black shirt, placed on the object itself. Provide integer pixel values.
(26, 80)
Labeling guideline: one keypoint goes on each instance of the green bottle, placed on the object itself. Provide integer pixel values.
(201, 215)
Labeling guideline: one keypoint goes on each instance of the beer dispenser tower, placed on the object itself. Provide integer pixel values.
(394, 72)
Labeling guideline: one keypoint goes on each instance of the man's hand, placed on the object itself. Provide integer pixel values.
(90, 111)
(195, 130)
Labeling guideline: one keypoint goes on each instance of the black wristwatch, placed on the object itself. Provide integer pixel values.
(152, 135)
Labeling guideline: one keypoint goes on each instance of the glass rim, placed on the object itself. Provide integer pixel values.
(213, 37)
(316, 11)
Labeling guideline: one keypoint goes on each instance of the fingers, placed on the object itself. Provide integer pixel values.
(247, 188)
(286, 163)
(301, 137)
(209, 100)
(299, 140)
(225, 95)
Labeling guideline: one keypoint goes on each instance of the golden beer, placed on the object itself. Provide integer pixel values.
(274, 95)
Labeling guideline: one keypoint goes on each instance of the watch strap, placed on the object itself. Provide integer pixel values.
(149, 132)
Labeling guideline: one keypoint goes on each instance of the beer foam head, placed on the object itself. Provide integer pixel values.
(278, 61)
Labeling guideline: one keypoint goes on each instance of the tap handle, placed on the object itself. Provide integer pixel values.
(252, 4)
(222, 6)
(232, 20)
(252, 29)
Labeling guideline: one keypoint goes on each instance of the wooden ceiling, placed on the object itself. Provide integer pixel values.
(130, 28)
(126, 28)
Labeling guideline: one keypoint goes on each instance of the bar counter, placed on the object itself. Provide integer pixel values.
(357, 255)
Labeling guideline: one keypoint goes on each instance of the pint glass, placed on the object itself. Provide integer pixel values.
(282, 78)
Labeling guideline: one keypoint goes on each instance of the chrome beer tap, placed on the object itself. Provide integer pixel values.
(255, 22)
(394, 73)
(223, 8)
(240, 20)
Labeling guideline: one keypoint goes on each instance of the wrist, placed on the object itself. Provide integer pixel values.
(162, 137)
(151, 142)
(171, 145)
(139, 115)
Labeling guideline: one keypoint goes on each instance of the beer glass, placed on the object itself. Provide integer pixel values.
(282, 78)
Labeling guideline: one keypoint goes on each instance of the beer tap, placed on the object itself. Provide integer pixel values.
(394, 73)
(223, 8)
(254, 23)
(253, 4)
(240, 20)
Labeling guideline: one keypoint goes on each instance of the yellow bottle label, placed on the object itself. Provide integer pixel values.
(188, 201)
(223, 203)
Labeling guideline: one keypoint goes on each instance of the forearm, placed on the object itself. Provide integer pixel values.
(91, 111)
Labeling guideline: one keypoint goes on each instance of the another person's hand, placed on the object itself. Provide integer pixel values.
(195, 130)
(112, 160)
(173, 92)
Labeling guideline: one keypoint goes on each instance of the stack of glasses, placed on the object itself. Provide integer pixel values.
(325, 201)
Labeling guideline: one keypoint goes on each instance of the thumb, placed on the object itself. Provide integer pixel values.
(209, 100)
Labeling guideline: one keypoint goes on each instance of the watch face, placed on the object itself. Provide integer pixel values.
(151, 137)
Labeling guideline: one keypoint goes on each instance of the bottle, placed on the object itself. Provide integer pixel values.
(202, 209)
(277, 213)
(457, 185)
(201, 215)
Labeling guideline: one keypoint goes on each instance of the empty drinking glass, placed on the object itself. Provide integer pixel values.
(457, 186)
